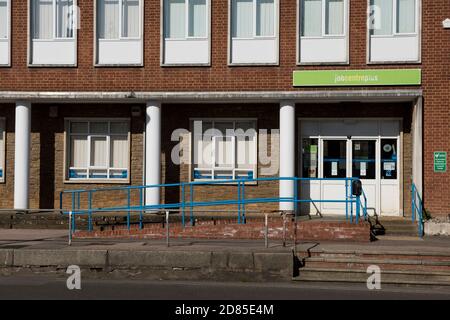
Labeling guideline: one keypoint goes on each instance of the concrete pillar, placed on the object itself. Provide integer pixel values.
(417, 145)
(287, 151)
(153, 151)
(22, 155)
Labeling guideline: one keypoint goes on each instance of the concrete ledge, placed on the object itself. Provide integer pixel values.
(91, 258)
(437, 228)
(6, 257)
(168, 259)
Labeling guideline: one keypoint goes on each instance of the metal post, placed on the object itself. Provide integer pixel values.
(358, 208)
(141, 213)
(191, 204)
(295, 235)
(284, 230)
(70, 228)
(244, 219)
(239, 202)
(167, 229)
(413, 203)
(128, 205)
(266, 231)
(90, 211)
(346, 200)
(183, 205)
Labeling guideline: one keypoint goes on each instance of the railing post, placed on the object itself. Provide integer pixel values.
(183, 204)
(346, 199)
(358, 208)
(141, 204)
(90, 211)
(191, 204)
(70, 228)
(128, 206)
(295, 197)
(244, 219)
(73, 210)
(284, 229)
(266, 230)
(239, 201)
(167, 229)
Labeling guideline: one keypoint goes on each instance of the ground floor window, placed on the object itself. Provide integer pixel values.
(98, 149)
(224, 149)
(2, 150)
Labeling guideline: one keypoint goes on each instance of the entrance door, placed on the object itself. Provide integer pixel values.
(364, 167)
(334, 165)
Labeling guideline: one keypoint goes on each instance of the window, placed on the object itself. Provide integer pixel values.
(186, 32)
(185, 18)
(322, 18)
(323, 24)
(53, 32)
(98, 149)
(4, 19)
(394, 17)
(2, 150)
(4, 32)
(118, 19)
(224, 149)
(253, 18)
(394, 31)
(52, 19)
(119, 32)
(254, 31)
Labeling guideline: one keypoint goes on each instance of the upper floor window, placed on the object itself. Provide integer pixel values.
(394, 31)
(53, 32)
(186, 32)
(4, 32)
(254, 31)
(323, 24)
(98, 149)
(119, 32)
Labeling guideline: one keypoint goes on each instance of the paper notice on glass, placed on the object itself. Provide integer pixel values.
(363, 169)
(334, 168)
(389, 166)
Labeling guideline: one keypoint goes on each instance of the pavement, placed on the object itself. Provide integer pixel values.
(58, 240)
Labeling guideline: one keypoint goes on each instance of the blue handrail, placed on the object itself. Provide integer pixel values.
(241, 200)
(417, 209)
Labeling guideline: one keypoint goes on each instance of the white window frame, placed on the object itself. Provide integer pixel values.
(324, 22)
(418, 33)
(186, 24)
(275, 37)
(8, 32)
(233, 169)
(120, 38)
(3, 156)
(67, 151)
(324, 36)
(74, 37)
(187, 37)
(394, 21)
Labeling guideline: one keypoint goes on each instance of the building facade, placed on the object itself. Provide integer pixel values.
(106, 93)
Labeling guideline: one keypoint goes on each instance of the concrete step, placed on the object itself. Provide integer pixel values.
(384, 264)
(387, 277)
(376, 255)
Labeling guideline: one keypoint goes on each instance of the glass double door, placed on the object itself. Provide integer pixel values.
(372, 160)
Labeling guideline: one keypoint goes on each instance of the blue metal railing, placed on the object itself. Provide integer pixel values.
(241, 200)
(417, 209)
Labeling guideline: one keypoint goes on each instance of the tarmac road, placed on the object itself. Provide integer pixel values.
(52, 287)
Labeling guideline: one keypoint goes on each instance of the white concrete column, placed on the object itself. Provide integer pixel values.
(417, 145)
(153, 151)
(287, 151)
(22, 155)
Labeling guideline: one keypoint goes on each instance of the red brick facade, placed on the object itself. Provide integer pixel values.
(47, 154)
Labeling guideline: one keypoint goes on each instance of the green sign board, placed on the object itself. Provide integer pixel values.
(372, 77)
(440, 162)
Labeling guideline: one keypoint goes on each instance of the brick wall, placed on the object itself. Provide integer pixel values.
(219, 77)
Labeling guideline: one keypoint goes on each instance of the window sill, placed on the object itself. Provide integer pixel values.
(98, 181)
(346, 63)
